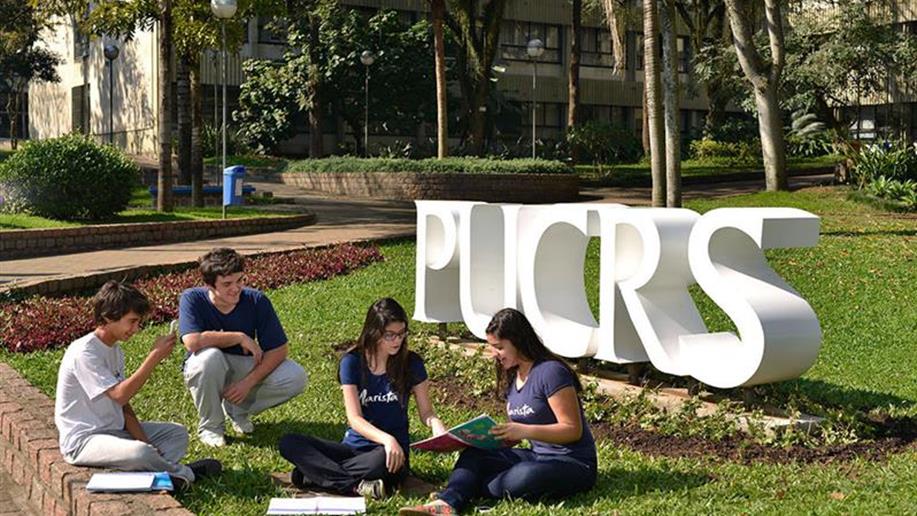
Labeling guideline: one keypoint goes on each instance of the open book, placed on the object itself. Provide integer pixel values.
(474, 433)
(129, 481)
(318, 505)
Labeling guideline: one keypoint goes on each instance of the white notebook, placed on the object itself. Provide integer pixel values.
(318, 505)
(129, 481)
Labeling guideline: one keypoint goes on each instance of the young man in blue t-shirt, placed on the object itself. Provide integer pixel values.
(237, 363)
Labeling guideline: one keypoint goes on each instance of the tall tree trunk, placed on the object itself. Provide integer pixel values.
(573, 76)
(317, 109)
(614, 18)
(12, 109)
(764, 78)
(442, 113)
(197, 126)
(670, 101)
(653, 88)
(183, 101)
(164, 201)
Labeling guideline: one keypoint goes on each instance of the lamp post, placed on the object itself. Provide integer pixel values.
(224, 10)
(215, 56)
(367, 58)
(534, 48)
(111, 52)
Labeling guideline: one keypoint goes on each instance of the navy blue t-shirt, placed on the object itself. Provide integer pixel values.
(529, 405)
(380, 404)
(253, 315)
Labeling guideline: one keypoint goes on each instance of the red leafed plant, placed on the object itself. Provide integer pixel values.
(39, 322)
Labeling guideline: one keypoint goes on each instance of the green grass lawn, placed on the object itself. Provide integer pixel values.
(138, 210)
(860, 280)
(636, 174)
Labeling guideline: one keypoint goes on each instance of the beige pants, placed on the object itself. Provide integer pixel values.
(209, 371)
(118, 450)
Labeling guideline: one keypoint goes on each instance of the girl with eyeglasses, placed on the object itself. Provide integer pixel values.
(542, 401)
(377, 377)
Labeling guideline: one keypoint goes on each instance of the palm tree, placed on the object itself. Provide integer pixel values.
(438, 11)
(670, 101)
(573, 74)
(164, 201)
(653, 88)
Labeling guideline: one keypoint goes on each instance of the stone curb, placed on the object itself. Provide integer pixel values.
(409, 186)
(29, 243)
(30, 455)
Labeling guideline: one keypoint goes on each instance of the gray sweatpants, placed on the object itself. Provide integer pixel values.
(209, 371)
(116, 449)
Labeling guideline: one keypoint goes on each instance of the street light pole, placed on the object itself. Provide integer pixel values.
(534, 49)
(224, 10)
(111, 52)
(367, 58)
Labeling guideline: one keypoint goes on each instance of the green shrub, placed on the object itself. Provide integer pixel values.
(67, 178)
(605, 144)
(726, 153)
(350, 164)
(891, 160)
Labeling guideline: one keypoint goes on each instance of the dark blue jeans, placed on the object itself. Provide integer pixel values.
(515, 473)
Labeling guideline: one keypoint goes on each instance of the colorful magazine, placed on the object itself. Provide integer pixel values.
(472, 433)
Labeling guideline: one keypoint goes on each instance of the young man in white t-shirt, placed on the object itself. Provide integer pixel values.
(92, 408)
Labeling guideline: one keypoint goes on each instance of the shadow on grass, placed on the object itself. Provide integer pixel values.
(902, 232)
(268, 434)
(831, 394)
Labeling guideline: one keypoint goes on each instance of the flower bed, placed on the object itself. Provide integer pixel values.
(40, 322)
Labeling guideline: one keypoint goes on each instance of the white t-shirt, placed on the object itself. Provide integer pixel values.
(81, 407)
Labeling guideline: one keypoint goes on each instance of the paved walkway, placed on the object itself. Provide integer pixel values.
(13, 498)
(340, 219)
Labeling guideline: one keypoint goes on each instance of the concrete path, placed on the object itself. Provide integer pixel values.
(13, 498)
(340, 219)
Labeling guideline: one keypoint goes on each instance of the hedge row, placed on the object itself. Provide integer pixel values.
(39, 322)
(349, 164)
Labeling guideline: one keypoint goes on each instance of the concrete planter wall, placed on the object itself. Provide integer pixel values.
(516, 188)
(29, 243)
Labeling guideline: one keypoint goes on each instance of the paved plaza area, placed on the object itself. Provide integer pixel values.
(340, 219)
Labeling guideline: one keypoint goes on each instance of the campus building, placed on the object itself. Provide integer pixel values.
(117, 99)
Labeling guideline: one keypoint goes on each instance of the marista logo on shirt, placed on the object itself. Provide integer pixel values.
(389, 397)
(523, 411)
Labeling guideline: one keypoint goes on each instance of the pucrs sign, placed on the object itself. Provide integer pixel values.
(475, 258)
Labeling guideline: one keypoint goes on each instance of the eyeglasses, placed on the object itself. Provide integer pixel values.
(391, 336)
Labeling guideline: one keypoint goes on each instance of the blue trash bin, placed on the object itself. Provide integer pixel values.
(232, 185)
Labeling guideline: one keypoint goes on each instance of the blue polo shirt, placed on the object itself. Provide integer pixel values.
(381, 405)
(529, 405)
(253, 315)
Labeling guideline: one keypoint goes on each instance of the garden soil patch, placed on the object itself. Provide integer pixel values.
(892, 436)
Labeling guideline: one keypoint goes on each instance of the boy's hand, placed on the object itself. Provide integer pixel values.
(163, 346)
(237, 392)
(249, 345)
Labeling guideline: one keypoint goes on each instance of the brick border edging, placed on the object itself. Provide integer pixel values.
(31, 456)
(30, 243)
(409, 186)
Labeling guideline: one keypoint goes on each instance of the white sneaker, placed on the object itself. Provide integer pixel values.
(243, 425)
(211, 438)
(374, 489)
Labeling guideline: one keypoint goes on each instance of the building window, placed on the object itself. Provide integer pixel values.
(549, 117)
(596, 48)
(682, 50)
(79, 109)
(515, 36)
(266, 35)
